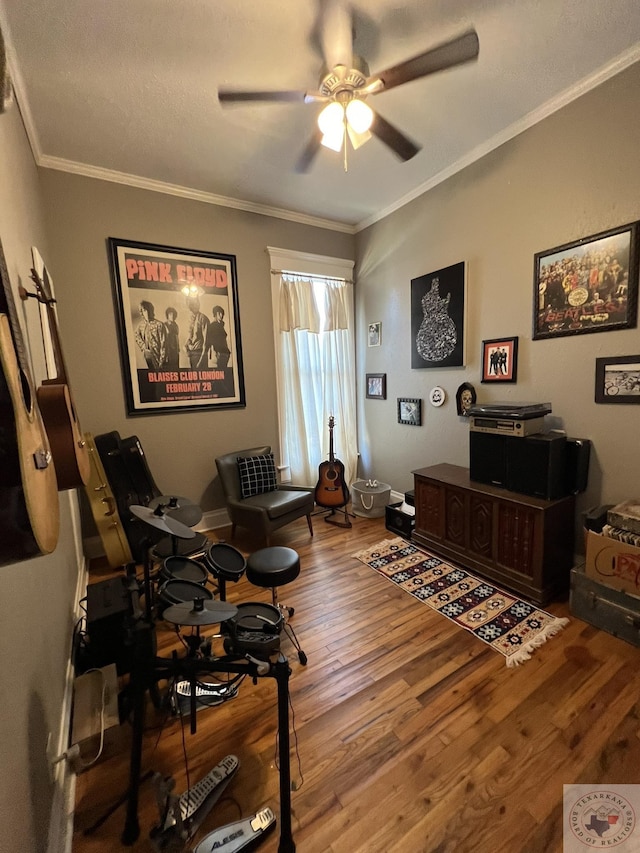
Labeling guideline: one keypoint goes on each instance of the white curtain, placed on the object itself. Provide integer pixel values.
(316, 374)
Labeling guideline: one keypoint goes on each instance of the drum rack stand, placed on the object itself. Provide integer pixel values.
(147, 669)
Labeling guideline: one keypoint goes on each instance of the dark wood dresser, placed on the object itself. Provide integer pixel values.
(522, 543)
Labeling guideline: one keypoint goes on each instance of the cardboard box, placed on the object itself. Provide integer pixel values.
(612, 563)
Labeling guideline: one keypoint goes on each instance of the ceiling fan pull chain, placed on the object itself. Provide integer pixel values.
(345, 144)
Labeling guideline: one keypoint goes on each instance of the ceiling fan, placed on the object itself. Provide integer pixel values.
(345, 87)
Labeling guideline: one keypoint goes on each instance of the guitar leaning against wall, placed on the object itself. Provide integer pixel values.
(68, 445)
(29, 508)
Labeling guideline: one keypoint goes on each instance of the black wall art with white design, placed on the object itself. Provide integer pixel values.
(437, 318)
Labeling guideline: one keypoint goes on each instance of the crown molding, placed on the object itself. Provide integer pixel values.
(625, 60)
(47, 162)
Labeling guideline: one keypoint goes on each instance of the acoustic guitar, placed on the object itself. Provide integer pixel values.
(104, 509)
(331, 491)
(29, 508)
(68, 445)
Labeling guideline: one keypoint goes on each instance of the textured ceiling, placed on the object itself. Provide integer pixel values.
(127, 90)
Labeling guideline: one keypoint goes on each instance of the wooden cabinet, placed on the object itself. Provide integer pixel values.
(521, 543)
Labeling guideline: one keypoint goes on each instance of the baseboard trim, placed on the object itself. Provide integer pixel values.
(63, 777)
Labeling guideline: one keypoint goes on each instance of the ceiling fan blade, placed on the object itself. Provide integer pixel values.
(462, 49)
(308, 155)
(400, 144)
(336, 33)
(230, 97)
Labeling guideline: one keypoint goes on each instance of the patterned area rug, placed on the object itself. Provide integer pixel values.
(509, 625)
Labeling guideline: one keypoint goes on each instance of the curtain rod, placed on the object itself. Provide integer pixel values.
(312, 275)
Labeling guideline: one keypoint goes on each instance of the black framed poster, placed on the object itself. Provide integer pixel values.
(179, 329)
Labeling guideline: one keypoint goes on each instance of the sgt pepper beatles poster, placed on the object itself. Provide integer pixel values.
(179, 328)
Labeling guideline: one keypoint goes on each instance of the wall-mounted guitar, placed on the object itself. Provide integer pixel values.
(68, 445)
(29, 508)
(331, 491)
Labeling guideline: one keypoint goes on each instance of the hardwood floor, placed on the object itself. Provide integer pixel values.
(412, 735)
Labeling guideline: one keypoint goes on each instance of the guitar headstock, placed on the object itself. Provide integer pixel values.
(43, 286)
(331, 422)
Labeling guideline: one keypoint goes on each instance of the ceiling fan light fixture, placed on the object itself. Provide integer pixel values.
(359, 115)
(331, 119)
(357, 139)
(334, 139)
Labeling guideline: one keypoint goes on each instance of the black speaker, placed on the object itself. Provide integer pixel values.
(108, 607)
(533, 465)
(488, 457)
(536, 465)
(577, 465)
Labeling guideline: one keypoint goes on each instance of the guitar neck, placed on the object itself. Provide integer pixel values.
(8, 306)
(46, 298)
(331, 424)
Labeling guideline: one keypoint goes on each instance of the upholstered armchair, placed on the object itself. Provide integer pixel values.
(254, 497)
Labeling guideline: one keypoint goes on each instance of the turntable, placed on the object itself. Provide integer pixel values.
(517, 419)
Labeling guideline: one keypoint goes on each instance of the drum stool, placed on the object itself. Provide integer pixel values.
(270, 568)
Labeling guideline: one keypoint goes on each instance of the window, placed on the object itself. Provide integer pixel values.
(312, 299)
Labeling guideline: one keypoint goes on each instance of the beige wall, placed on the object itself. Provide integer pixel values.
(37, 602)
(576, 173)
(81, 214)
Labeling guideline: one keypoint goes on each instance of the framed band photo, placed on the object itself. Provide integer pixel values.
(376, 386)
(500, 360)
(179, 329)
(618, 379)
(409, 411)
(590, 285)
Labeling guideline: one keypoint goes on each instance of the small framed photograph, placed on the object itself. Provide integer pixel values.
(377, 386)
(618, 379)
(409, 411)
(375, 334)
(500, 360)
(590, 285)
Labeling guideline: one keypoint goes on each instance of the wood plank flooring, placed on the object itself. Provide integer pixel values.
(411, 736)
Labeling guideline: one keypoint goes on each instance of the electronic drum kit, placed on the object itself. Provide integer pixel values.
(182, 596)
(251, 640)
